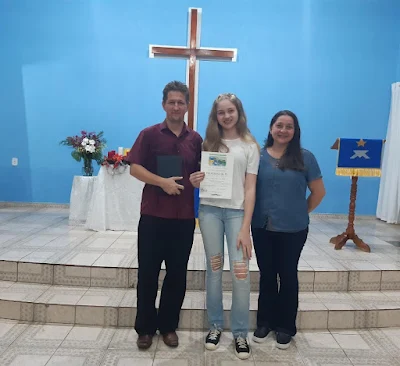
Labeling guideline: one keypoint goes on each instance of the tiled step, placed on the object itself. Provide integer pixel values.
(103, 276)
(117, 307)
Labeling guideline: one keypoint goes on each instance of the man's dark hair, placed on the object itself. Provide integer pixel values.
(178, 87)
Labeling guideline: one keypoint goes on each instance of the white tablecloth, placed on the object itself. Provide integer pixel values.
(115, 203)
(111, 201)
(80, 199)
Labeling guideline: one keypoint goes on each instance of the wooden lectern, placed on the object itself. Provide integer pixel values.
(341, 239)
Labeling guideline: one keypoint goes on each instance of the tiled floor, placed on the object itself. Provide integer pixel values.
(43, 344)
(337, 288)
(43, 235)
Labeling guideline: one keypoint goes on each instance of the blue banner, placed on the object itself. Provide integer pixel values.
(359, 157)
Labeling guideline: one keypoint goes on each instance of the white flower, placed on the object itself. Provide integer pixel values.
(85, 141)
(90, 148)
(91, 142)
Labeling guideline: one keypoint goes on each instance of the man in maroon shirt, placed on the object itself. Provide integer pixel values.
(167, 222)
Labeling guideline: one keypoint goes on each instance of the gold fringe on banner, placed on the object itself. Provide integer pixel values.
(358, 172)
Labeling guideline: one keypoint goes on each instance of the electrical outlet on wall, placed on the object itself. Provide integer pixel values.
(14, 161)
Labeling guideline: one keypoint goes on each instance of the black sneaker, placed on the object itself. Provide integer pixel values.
(212, 339)
(242, 348)
(283, 340)
(260, 334)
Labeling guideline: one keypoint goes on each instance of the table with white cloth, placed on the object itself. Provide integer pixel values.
(80, 199)
(115, 200)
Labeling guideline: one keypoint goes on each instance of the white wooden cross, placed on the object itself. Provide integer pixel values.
(193, 53)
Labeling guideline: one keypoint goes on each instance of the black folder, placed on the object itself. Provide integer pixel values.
(169, 166)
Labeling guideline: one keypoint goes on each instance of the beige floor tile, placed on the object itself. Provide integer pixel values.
(77, 357)
(24, 356)
(88, 337)
(43, 336)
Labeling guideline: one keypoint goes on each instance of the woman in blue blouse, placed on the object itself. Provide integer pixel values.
(280, 224)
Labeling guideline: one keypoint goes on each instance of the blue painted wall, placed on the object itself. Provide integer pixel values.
(398, 68)
(73, 65)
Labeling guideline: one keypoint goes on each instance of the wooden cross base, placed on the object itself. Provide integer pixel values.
(340, 240)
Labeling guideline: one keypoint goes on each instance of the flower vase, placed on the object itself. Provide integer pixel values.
(87, 166)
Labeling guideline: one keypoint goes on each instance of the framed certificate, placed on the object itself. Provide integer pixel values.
(218, 169)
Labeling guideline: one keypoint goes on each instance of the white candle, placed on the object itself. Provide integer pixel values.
(120, 151)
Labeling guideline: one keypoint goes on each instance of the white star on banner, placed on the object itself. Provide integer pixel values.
(360, 154)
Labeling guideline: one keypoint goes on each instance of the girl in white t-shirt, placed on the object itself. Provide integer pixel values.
(227, 132)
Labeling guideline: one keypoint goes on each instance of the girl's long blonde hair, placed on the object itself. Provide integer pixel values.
(213, 140)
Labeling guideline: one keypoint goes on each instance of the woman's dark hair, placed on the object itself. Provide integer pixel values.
(293, 157)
